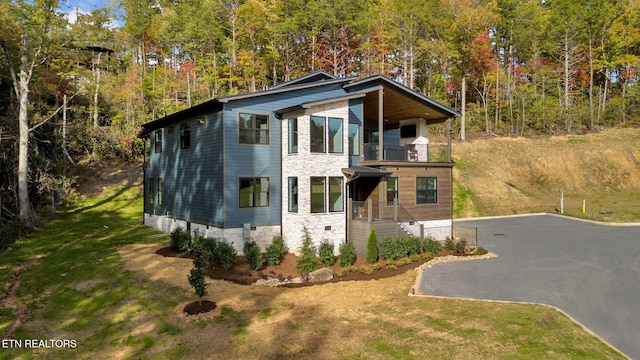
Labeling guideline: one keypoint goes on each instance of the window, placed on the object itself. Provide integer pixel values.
(253, 129)
(293, 136)
(408, 131)
(170, 129)
(151, 193)
(426, 190)
(159, 191)
(335, 135)
(354, 139)
(317, 134)
(392, 189)
(293, 194)
(185, 135)
(318, 194)
(254, 192)
(157, 144)
(336, 194)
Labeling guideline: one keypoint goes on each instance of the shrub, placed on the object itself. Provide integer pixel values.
(403, 261)
(181, 240)
(225, 255)
(366, 270)
(430, 245)
(347, 254)
(209, 247)
(388, 248)
(449, 244)
(372, 247)
(253, 254)
(391, 267)
(307, 262)
(461, 245)
(325, 252)
(413, 245)
(275, 251)
(197, 275)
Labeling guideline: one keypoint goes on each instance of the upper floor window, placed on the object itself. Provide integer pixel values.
(253, 129)
(326, 135)
(185, 135)
(157, 143)
(293, 136)
(254, 192)
(354, 139)
(426, 190)
(317, 133)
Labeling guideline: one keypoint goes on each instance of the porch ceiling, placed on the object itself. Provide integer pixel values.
(398, 106)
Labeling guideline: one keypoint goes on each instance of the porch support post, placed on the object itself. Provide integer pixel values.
(370, 210)
(380, 124)
(449, 140)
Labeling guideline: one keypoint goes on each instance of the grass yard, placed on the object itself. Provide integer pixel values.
(91, 275)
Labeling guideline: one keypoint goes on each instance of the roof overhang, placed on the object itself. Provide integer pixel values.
(355, 172)
(291, 109)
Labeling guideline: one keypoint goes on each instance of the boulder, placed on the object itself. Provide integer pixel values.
(324, 274)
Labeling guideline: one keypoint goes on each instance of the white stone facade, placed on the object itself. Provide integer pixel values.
(327, 226)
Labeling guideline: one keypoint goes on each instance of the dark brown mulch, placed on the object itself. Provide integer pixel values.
(199, 307)
(242, 273)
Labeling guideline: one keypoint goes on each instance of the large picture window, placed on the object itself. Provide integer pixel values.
(157, 143)
(293, 136)
(318, 189)
(317, 133)
(336, 194)
(426, 190)
(293, 194)
(254, 192)
(253, 129)
(185, 135)
(335, 135)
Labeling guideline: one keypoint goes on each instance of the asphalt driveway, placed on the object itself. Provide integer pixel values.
(590, 271)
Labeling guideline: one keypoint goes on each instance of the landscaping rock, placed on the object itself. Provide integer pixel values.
(324, 274)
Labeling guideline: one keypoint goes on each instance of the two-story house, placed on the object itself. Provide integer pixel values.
(338, 156)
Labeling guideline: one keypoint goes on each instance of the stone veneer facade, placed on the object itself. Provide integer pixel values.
(327, 226)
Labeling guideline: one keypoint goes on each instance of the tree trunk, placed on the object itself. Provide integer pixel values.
(23, 142)
(96, 77)
(463, 135)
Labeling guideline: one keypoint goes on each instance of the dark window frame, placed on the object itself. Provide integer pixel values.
(255, 195)
(185, 135)
(429, 194)
(157, 141)
(253, 134)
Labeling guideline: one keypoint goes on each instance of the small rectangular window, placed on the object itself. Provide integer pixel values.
(318, 190)
(392, 189)
(293, 194)
(185, 135)
(254, 192)
(253, 129)
(426, 190)
(317, 134)
(157, 143)
(293, 136)
(159, 191)
(336, 194)
(336, 142)
(151, 193)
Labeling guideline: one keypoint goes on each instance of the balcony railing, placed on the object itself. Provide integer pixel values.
(410, 152)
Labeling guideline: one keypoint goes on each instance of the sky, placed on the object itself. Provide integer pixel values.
(72, 7)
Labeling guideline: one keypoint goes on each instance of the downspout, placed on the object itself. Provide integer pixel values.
(450, 173)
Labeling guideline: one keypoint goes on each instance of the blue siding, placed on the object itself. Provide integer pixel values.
(261, 160)
(193, 184)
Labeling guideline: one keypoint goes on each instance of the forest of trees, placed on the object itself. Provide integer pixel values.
(80, 89)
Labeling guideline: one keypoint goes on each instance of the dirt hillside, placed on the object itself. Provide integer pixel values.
(516, 175)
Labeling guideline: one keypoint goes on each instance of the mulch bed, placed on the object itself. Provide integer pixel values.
(242, 273)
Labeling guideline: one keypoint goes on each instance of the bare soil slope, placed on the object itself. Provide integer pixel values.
(517, 175)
